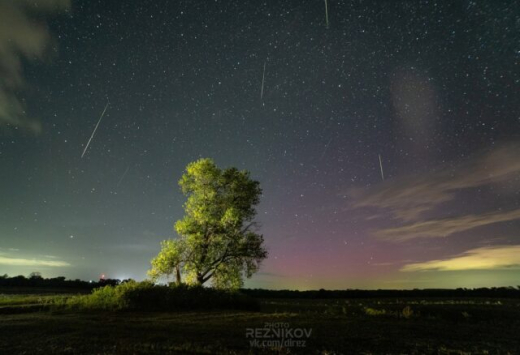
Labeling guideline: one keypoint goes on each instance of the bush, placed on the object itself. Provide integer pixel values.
(149, 297)
(407, 312)
(104, 298)
(374, 312)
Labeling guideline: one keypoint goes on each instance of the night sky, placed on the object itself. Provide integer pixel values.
(387, 143)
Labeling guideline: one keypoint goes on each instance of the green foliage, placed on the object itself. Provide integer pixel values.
(169, 259)
(21, 300)
(216, 241)
(146, 296)
(374, 312)
(407, 312)
(101, 298)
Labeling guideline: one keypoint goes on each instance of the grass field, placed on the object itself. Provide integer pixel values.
(30, 325)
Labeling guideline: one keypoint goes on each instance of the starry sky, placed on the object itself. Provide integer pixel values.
(386, 141)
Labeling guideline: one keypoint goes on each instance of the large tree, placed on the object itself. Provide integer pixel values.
(217, 236)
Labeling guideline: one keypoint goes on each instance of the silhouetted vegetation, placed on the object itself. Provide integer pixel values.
(493, 292)
(35, 280)
(145, 296)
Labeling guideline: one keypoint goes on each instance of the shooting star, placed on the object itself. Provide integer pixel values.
(326, 14)
(124, 174)
(95, 128)
(381, 166)
(325, 150)
(263, 81)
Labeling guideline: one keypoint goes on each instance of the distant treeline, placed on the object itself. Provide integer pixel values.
(493, 292)
(36, 280)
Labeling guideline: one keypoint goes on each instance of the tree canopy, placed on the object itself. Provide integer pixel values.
(217, 236)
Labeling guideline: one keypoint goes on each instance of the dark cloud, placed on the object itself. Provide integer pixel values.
(22, 37)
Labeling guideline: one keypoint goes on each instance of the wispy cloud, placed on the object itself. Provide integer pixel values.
(485, 258)
(408, 198)
(413, 199)
(22, 37)
(31, 262)
(444, 227)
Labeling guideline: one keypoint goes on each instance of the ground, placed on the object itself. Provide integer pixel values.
(350, 326)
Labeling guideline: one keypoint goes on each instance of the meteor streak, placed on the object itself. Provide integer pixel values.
(381, 166)
(123, 176)
(325, 150)
(95, 128)
(263, 80)
(327, 13)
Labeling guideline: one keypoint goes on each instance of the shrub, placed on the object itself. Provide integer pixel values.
(104, 298)
(147, 296)
(374, 312)
(407, 312)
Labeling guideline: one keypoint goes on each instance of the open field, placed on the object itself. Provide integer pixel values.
(395, 326)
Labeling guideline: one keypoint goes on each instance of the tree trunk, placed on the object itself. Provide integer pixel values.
(200, 279)
(178, 274)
